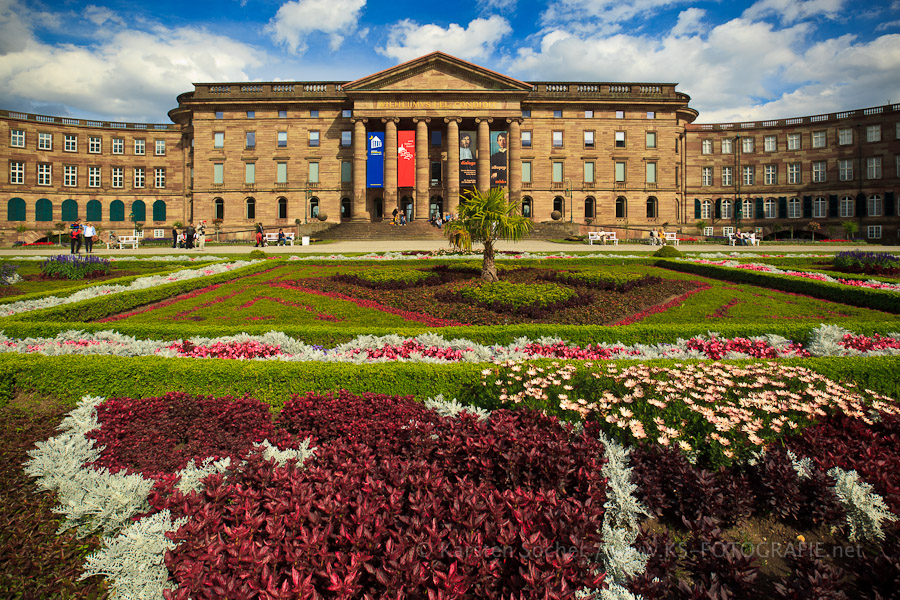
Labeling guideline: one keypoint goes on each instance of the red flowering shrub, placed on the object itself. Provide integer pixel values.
(716, 348)
(158, 436)
(233, 350)
(864, 343)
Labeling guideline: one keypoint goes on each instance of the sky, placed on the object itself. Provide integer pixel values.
(127, 60)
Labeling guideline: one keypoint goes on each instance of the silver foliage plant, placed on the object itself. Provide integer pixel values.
(281, 457)
(452, 408)
(866, 510)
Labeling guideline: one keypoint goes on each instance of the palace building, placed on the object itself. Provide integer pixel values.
(413, 137)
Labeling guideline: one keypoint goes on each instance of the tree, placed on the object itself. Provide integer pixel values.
(60, 227)
(487, 218)
(22, 229)
(813, 227)
(850, 227)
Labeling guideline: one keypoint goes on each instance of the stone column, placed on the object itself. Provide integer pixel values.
(420, 209)
(390, 165)
(483, 173)
(358, 208)
(452, 184)
(514, 168)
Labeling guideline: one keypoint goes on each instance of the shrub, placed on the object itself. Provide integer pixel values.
(668, 252)
(8, 274)
(257, 254)
(505, 296)
(70, 266)
(603, 280)
(391, 278)
(872, 263)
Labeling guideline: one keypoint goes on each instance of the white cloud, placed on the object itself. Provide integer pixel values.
(689, 21)
(791, 11)
(605, 11)
(408, 40)
(99, 15)
(295, 21)
(888, 25)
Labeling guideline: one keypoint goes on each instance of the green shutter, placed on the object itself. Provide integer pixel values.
(889, 204)
(860, 204)
(117, 210)
(43, 210)
(138, 211)
(718, 212)
(69, 210)
(696, 208)
(807, 207)
(94, 211)
(782, 207)
(15, 209)
(833, 206)
(159, 211)
(760, 208)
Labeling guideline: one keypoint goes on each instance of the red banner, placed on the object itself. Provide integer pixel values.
(406, 159)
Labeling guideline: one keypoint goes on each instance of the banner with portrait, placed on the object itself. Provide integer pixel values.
(375, 160)
(468, 172)
(406, 158)
(499, 154)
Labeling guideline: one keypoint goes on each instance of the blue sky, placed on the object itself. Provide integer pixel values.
(740, 61)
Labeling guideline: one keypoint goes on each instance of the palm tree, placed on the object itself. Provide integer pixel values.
(487, 218)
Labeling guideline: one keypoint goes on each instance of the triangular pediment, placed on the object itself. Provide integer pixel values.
(436, 72)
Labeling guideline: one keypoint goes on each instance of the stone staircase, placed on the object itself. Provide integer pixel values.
(423, 230)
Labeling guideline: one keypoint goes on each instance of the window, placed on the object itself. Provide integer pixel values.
(726, 208)
(220, 114)
(43, 174)
(727, 231)
(282, 114)
(435, 173)
(118, 146)
(17, 138)
(346, 171)
(651, 139)
(620, 114)
(159, 176)
(526, 172)
(651, 114)
(794, 208)
(588, 114)
(770, 174)
(94, 145)
(118, 177)
(874, 232)
(139, 177)
(706, 176)
(45, 141)
(746, 145)
(557, 139)
(251, 114)
(727, 146)
(347, 113)
(845, 169)
(589, 172)
(651, 172)
(770, 208)
(526, 139)
(794, 173)
(313, 172)
(820, 208)
(770, 143)
(250, 208)
(314, 138)
(281, 139)
(845, 136)
(281, 172)
(346, 138)
(620, 139)
(706, 209)
(250, 140)
(793, 141)
(314, 114)
(706, 147)
(819, 170)
(557, 114)
(250, 173)
(557, 172)
(749, 176)
(160, 148)
(818, 139)
(620, 172)
(873, 133)
(588, 208)
(436, 138)
(588, 139)
(70, 143)
(94, 177)
(846, 206)
(727, 176)
(218, 173)
(219, 139)
(748, 209)
(282, 208)
(897, 160)
(139, 147)
(652, 213)
(876, 208)
(17, 172)
(526, 114)
(873, 167)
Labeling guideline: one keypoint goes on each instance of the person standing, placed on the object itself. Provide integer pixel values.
(201, 236)
(259, 236)
(75, 234)
(89, 233)
(174, 236)
(189, 236)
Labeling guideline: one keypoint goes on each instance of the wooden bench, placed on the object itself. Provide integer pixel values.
(602, 236)
(672, 237)
(123, 240)
(272, 238)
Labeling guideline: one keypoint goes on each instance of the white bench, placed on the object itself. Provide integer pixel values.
(124, 240)
(672, 237)
(602, 236)
(272, 238)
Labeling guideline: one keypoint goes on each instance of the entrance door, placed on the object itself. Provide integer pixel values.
(378, 208)
(436, 208)
(406, 205)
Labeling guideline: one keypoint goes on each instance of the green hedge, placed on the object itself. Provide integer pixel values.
(885, 300)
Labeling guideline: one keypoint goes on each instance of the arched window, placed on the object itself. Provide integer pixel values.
(795, 209)
(726, 208)
(138, 211)
(116, 210)
(621, 208)
(15, 209)
(770, 208)
(250, 207)
(219, 206)
(282, 207)
(560, 205)
(847, 206)
(652, 210)
(69, 210)
(876, 208)
(747, 213)
(706, 209)
(313, 208)
(526, 207)
(159, 211)
(94, 211)
(589, 207)
(43, 210)
(820, 207)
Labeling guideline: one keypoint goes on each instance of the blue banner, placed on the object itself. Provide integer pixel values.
(375, 161)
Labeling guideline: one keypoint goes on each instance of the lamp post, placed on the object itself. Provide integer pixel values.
(738, 213)
(568, 193)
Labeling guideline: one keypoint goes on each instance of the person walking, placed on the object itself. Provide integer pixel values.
(89, 232)
(201, 236)
(259, 236)
(75, 236)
